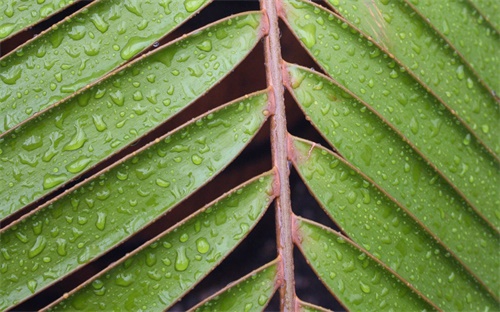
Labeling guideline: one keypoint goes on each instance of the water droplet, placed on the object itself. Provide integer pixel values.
(79, 164)
(11, 75)
(308, 35)
(50, 180)
(460, 72)
(38, 247)
(206, 45)
(196, 159)
(117, 97)
(61, 246)
(99, 123)
(77, 32)
(6, 29)
(262, 300)
(192, 5)
(124, 279)
(100, 224)
(78, 139)
(364, 288)
(134, 46)
(181, 260)
(32, 284)
(33, 142)
(99, 23)
(202, 245)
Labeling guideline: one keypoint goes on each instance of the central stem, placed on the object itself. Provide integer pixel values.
(279, 149)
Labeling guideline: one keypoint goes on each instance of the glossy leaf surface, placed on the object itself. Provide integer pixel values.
(468, 32)
(78, 133)
(20, 14)
(358, 65)
(103, 212)
(357, 280)
(80, 50)
(363, 139)
(375, 222)
(395, 26)
(251, 293)
(161, 272)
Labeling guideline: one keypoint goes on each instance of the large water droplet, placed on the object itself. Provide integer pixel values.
(78, 139)
(193, 5)
(99, 23)
(6, 29)
(202, 245)
(50, 180)
(100, 224)
(79, 164)
(134, 46)
(38, 247)
(99, 123)
(181, 260)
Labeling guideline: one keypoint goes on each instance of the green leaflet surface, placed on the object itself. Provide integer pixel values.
(162, 271)
(490, 9)
(373, 76)
(469, 34)
(364, 140)
(444, 73)
(20, 14)
(357, 280)
(61, 143)
(80, 50)
(251, 293)
(378, 224)
(88, 221)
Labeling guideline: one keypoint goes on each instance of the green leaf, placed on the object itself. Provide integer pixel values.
(365, 70)
(75, 135)
(395, 26)
(20, 14)
(80, 50)
(490, 9)
(378, 224)
(250, 293)
(163, 270)
(363, 139)
(358, 281)
(468, 32)
(99, 214)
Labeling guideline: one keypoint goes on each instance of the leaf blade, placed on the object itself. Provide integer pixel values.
(398, 98)
(454, 83)
(354, 289)
(251, 292)
(375, 222)
(79, 51)
(18, 15)
(64, 141)
(124, 199)
(354, 131)
(175, 268)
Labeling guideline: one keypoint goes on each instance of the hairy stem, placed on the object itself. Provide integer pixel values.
(279, 151)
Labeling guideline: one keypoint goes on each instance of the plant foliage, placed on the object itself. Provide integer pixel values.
(405, 95)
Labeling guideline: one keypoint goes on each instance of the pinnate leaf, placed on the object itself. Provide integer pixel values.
(402, 102)
(163, 270)
(99, 214)
(375, 222)
(358, 281)
(364, 140)
(250, 293)
(80, 50)
(61, 143)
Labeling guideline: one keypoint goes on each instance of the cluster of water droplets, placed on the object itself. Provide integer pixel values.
(391, 235)
(403, 102)
(356, 279)
(81, 50)
(170, 266)
(397, 168)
